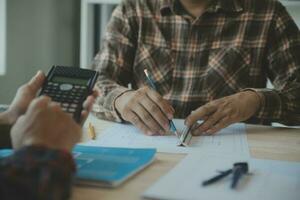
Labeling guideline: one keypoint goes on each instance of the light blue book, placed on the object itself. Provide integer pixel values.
(105, 166)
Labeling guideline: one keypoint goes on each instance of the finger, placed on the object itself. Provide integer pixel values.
(37, 106)
(148, 120)
(194, 129)
(39, 103)
(162, 103)
(223, 123)
(55, 106)
(87, 107)
(200, 113)
(37, 81)
(95, 93)
(156, 113)
(196, 125)
(84, 116)
(88, 103)
(211, 121)
(136, 121)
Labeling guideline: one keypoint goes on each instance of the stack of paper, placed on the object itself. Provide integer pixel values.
(270, 180)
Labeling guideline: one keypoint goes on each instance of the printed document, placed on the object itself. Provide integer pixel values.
(231, 140)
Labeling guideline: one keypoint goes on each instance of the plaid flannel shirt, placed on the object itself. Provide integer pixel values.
(36, 173)
(234, 46)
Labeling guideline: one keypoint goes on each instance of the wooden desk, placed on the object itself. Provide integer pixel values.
(264, 142)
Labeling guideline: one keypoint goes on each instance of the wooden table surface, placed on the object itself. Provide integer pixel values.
(264, 142)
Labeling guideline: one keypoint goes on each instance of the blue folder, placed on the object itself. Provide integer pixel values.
(105, 166)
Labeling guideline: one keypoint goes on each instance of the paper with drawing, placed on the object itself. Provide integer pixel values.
(231, 140)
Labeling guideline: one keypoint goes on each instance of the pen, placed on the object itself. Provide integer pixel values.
(91, 130)
(151, 82)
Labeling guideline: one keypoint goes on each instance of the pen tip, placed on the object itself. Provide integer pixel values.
(146, 72)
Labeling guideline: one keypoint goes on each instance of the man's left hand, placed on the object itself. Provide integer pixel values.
(220, 113)
(28, 92)
(25, 94)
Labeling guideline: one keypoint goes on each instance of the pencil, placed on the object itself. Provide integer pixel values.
(91, 131)
(151, 83)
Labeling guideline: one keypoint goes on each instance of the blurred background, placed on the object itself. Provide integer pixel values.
(36, 34)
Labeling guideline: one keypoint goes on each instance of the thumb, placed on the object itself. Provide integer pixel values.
(37, 81)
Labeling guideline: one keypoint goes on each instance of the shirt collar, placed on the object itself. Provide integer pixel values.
(168, 6)
(225, 5)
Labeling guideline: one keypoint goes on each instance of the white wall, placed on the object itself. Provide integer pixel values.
(2, 36)
(293, 7)
(40, 33)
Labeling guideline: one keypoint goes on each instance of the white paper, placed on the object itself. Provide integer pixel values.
(271, 180)
(231, 140)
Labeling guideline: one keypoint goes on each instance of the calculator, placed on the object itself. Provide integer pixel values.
(69, 86)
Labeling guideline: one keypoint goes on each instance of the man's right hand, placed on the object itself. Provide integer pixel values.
(145, 109)
(45, 124)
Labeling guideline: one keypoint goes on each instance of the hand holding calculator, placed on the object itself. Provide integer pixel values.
(69, 86)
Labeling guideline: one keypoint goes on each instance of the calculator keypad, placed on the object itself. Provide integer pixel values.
(69, 96)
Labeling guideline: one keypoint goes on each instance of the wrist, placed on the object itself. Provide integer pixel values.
(255, 99)
(119, 101)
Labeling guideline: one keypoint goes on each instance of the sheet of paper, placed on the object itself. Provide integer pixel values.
(231, 140)
(270, 180)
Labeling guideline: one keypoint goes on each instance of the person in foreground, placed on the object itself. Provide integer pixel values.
(210, 60)
(42, 136)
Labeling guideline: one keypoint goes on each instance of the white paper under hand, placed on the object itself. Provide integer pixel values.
(231, 140)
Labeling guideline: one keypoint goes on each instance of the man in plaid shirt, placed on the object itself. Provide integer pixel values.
(209, 59)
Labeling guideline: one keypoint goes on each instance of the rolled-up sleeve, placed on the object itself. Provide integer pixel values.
(36, 173)
(282, 104)
(114, 62)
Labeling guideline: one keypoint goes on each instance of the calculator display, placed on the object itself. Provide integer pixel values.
(77, 81)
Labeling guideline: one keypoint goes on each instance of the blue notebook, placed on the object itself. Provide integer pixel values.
(105, 166)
